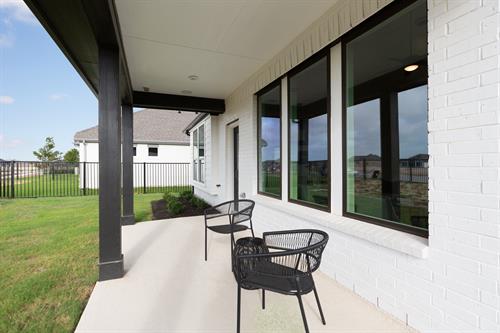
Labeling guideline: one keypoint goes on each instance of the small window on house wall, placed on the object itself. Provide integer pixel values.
(199, 154)
(269, 141)
(386, 122)
(152, 151)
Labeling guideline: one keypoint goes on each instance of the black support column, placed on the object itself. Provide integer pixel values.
(390, 155)
(128, 164)
(110, 246)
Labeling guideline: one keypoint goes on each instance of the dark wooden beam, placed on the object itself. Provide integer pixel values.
(128, 164)
(178, 102)
(67, 24)
(103, 20)
(110, 246)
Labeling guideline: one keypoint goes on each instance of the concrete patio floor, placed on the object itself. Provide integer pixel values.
(168, 287)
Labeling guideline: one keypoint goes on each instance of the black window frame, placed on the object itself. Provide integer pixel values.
(134, 151)
(272, 85)
(378, 18)
(149, 151)
(325, 52)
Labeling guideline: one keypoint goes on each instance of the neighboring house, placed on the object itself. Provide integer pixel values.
(306, 86)
(158, 138)
(159, 145)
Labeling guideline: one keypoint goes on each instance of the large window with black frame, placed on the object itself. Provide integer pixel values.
(308, 110)
(386, 152)
(269, 141)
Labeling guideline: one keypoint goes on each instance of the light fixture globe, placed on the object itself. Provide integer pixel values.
(411, 68)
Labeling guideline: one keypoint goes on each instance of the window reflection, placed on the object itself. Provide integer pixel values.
(308, 112)
(269, 104)
(363, 159)
(386, 120)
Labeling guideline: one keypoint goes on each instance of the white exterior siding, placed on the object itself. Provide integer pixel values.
(450, 282)
(89, 152)
(161, 174)
(207, 190)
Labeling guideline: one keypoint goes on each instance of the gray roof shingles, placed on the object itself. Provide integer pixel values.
(152, 126)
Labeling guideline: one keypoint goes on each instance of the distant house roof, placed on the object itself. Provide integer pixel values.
(424, 157)
(151, 126)
(195, 122)
(369, 157)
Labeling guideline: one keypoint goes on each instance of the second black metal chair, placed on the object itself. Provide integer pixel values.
(285, 265)
(237, 212)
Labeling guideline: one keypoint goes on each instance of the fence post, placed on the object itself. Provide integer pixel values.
(144, 177)
(12, 190)
(364, 168)
(411, 172)
(84, 178)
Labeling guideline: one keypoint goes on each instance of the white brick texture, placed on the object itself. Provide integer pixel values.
(456, 288)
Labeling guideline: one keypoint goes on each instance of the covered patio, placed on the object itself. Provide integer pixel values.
(168, 287)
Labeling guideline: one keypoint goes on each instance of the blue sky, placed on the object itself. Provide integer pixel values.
(40, 93)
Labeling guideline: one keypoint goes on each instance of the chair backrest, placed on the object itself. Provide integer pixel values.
(242, 209)
(300, 249)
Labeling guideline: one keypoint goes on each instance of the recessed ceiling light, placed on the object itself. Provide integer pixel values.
(146, 89)
(411, 68)
(193, 77)
(186, 92)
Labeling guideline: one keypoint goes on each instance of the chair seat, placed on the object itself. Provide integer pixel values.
(277, 278)
(227, 228)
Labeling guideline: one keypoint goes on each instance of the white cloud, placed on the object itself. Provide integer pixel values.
(9, 143)
(6, 100)
(6, 40)
(17, 10)
(57, 97)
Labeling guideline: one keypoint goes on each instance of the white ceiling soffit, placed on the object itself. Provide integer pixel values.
(223, 42)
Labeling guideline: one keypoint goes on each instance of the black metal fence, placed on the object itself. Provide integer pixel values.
(410, 170)
(27, 179)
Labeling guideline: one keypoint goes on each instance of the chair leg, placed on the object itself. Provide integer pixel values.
(232, 252)
(251, 228)
(263, 299)
(205, 243)
(319, 306)
(303, 314)
(238, 311)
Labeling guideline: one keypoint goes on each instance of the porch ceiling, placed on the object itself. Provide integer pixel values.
(221, 41)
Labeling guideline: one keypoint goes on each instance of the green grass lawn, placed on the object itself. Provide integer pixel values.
(55, 185)
(48, 260)
(64, 185)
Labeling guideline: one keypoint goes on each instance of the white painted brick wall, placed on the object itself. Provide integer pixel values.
(456, 288)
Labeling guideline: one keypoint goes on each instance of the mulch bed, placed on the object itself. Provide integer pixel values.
(161, 212)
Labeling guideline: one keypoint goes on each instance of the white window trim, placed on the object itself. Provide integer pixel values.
(196, 181)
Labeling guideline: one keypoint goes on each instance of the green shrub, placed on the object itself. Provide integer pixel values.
(175, 207)
(169, 196)
(198, 203)
(174, 204)
(186, 195)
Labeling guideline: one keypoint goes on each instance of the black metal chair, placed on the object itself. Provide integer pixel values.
(237, 211)
(284, 266)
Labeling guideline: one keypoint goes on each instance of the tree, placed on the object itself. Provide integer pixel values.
(72, 156)
(48, 153)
